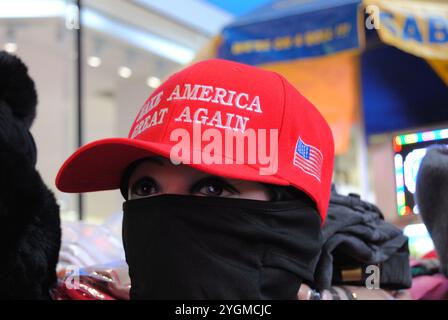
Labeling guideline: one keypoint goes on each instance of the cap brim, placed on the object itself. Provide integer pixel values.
(100, 165)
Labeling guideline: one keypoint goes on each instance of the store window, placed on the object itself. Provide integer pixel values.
(126, 49)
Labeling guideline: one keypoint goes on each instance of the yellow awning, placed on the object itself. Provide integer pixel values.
(417, 27)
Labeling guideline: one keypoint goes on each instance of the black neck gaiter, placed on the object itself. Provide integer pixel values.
(190, 247)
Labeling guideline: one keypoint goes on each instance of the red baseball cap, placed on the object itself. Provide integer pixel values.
(285, 140)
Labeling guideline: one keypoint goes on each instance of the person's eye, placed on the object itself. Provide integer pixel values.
(144, 187)
(214, 187)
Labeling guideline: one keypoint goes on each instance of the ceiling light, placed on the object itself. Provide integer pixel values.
(124, 72)
(153, 82)
(94, 61)
(10, 47)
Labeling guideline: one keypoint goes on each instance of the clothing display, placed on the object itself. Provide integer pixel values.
(356, 236)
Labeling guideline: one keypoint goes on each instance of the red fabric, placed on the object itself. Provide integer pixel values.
(433, 287)
(91, 288)
(85, 292)
(101, 282)
(226, 91)
(430, 255)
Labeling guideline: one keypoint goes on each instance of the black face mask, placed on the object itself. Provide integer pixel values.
(190, 247)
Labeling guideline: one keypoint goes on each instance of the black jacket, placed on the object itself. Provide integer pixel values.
(29, 215)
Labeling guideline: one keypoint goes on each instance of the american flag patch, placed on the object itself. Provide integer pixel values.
(308, 158)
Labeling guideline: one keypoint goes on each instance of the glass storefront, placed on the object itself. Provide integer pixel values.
(123, 59)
